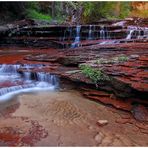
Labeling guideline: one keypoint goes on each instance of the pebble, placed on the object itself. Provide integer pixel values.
(102, 122)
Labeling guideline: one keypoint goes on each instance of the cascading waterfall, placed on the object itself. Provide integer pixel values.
(145, 33)
(137, 32)
(76, 42)
(13, 83)
(129, 36)
(9, 68)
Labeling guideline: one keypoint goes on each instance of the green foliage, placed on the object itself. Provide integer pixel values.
(33, 11)
(125, 9)
(34, 14)
(93, 11)
(93, 74)
(140, 13)
(122, 58)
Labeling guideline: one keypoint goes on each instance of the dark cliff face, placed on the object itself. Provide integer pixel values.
(11, 11)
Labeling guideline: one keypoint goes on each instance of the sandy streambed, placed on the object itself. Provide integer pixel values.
(65, 118)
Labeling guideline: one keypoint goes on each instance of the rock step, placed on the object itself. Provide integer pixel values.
(60, 42)
(73, 27)
(61, 34)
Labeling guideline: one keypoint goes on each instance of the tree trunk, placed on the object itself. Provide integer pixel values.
(53, 9)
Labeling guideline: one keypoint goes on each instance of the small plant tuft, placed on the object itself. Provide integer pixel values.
(122, 58)
(93, 74)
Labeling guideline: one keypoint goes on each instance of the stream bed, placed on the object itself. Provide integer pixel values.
(57, 116)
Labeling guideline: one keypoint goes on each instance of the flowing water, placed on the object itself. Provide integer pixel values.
(76, 42)
(129, 36)
(102, 33)
(13, 83)
(90, 33)
(137, 32)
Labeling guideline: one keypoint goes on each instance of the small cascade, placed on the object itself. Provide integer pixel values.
(102, 33)
(64, 37)
(137, 32)
(76, 42)
(90, 33)
(42, 77)
(145, 33)
(70, 33)
(129, 36)
(27, 75)
(13, 83)
(9, 68)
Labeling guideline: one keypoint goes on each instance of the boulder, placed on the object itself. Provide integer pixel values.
(69, 60)
(140, 113)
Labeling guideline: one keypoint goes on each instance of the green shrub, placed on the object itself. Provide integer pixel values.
(122, 58)
(93, 74)
(34, 14)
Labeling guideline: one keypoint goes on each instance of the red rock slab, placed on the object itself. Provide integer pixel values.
(9, 84)
(143, 58)
(144, 131)
(97, 93)
(142, 74)
(124, 80)
(140, 86)
(123, 121)
(109, 100)
(143, 126)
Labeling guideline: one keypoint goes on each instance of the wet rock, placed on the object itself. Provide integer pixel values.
(140, 112)
(144, 131)
(123, 121)
(134, 56)
(108, 99)
(69, 61)
(102, 122)
(73, 71)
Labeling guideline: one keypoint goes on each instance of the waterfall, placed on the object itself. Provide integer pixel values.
(90, 33)
(145, 32)
(64, 37)
(13, 83)
(102, 33)
(9, 68)
(137, 32)
(27, 75)
(76, 42)
(129, 36)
